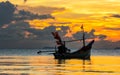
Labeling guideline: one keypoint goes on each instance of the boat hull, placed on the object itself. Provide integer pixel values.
(83, 53)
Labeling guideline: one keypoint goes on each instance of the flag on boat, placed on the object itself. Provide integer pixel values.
(57, 37)
(82, 26)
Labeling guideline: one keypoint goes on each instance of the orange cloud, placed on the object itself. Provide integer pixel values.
(74, 26)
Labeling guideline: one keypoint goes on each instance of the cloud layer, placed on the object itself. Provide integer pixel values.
(41, 9)
(15, 27)
(6, 13)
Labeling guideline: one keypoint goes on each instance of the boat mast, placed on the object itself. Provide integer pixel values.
(82, 27)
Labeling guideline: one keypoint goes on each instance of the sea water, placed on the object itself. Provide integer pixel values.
(28, 62)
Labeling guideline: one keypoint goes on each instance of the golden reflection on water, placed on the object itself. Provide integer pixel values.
(47, 65)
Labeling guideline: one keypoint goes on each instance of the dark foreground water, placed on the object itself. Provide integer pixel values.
(21, 62)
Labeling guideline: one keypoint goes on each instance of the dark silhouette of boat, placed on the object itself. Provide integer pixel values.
(83, 53)
(63, 52)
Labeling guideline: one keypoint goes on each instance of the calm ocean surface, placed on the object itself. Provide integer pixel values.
(28, 62)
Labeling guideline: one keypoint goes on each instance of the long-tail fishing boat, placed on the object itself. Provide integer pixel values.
(63, 52)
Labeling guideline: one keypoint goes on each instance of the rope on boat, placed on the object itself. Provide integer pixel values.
(73, 40)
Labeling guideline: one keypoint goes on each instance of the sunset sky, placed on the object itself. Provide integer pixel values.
(101, 15)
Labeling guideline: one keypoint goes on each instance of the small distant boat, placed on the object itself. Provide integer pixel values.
(83, 53)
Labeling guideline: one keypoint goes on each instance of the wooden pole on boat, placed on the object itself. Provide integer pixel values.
(82, 27)
(64, 43)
